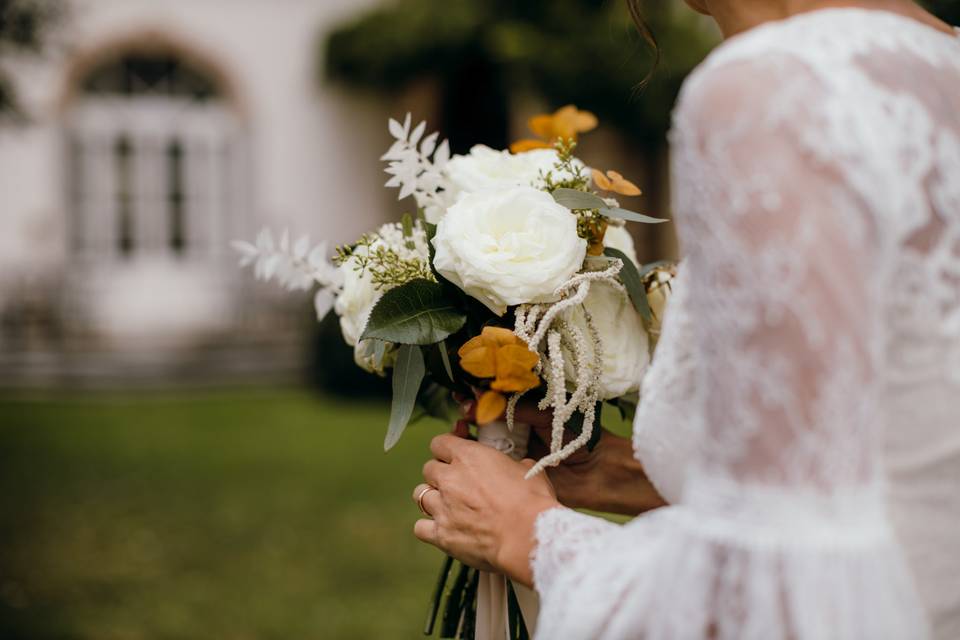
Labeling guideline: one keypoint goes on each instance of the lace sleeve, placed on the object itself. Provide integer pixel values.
(664, 437)
(781, 531)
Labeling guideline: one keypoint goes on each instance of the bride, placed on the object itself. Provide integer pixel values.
(798, 441)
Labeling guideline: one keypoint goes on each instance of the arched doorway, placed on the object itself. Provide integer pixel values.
(157, 184)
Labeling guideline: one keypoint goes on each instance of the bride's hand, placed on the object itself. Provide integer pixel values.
(482, 509)
(609, 478)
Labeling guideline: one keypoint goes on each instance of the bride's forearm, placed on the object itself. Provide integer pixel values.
(613, 481)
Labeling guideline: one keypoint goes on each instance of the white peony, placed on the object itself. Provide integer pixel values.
(626, 351)
(508, 247)
(617, 237)
(485, 169)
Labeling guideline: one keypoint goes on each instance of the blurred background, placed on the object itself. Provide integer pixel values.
(185, 453)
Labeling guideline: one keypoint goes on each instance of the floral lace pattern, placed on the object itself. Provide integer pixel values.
(817, 189)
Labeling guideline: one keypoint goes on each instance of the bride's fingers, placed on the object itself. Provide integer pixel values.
(426, 531)
(445, 446)
(433, 471)
(428, 497)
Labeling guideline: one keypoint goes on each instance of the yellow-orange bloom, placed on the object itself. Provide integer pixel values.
(615, 182)
(529, 144)
(491, 406)
(499, 354)
(565, 123)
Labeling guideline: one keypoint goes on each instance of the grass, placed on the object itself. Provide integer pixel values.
(234, 515)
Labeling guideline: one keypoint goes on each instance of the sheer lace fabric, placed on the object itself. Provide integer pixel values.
(803, 409)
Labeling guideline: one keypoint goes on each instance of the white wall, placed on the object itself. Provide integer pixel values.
(314, 149)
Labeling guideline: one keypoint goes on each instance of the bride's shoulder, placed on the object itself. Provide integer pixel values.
(747, 81)
(748, 70)
(813, 54)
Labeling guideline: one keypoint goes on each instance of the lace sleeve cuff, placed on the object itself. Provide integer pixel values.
(562, 536)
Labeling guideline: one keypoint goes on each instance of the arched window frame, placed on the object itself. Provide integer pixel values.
(156, 155)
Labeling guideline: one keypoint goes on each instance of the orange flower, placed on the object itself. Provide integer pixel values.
(491, 406)
(499, 354)
(615, 182)
(565, 123)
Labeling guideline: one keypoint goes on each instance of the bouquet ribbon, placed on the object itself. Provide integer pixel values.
(492, 593)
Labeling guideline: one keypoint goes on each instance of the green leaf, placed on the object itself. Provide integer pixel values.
(630, 277)
(446, 359)
(407, 376)
(578, 200)
(627, 405)
(581, 200)
(379, 352)
(437, 402)
(633, 216)
(417, 312)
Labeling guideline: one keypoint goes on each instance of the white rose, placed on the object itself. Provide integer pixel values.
(625, 348)
(508, 247)
(485, 169)
(619, 238)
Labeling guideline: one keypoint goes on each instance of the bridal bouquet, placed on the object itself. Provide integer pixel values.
(514, 277)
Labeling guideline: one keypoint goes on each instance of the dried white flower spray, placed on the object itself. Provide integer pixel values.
(544, 329)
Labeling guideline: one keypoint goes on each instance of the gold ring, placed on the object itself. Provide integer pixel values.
(420, 496)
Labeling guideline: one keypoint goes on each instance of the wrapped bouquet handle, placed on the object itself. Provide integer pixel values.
(493, 592)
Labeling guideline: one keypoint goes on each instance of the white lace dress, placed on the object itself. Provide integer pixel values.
(803, 412)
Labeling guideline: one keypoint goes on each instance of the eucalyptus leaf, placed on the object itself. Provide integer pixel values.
(627, 407)
(446, 359)
(436, 402)
(407, 376)
(418, 312)
(633, 216)
(379, 353)
(578, 200)
(630, 277)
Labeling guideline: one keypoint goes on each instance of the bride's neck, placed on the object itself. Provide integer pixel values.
(735, 16)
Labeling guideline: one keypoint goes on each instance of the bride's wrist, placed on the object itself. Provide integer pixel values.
(519, 540)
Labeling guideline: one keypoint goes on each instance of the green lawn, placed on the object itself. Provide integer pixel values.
(234, 515)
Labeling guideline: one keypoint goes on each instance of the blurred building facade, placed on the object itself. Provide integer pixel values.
(157, 132)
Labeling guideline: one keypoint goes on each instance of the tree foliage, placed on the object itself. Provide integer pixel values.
(946, 10)
(567, 51)
(24, 29)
